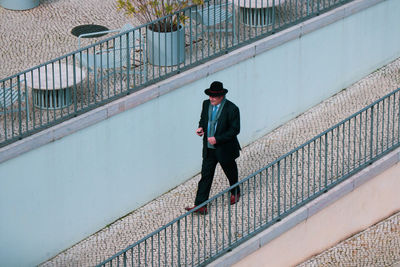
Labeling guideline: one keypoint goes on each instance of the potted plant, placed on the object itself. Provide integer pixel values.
(165, 33)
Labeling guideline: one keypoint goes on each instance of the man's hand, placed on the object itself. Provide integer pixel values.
(200, 131)
(212, 140)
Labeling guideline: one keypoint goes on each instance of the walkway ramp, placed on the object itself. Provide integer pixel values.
(161, 211)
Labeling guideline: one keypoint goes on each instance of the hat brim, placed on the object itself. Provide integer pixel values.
(210, 92)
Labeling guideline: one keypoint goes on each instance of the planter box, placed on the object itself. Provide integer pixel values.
(166, 48)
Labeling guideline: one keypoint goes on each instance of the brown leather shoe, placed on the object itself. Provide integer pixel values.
(235, 198)
(202, 210)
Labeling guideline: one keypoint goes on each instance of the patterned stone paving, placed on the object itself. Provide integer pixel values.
(378, 245)
(33, 36)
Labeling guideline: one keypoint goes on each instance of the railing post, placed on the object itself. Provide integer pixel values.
(128, 58)
(226, 25)
(95, 70)
(75, 87)
(279, 188)
(326, 159)
(372, 133)
(273, 16)
(178, 232)
(229, 224)
(179, 44)
(272, 191)
(19, 105)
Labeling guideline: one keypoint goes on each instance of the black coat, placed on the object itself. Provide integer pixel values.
(228, 127)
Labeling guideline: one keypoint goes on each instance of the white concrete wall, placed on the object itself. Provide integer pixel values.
(65, 183)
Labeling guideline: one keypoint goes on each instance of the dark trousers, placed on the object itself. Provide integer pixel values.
(207, 175)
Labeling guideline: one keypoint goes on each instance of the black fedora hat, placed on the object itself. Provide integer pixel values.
(216, 89)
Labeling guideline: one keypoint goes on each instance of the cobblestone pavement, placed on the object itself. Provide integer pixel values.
(43, 33)
(379, 245)
(33, 36)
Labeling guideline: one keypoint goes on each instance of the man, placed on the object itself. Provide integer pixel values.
(219, 125)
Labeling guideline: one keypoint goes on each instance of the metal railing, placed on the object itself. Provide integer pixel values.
(65, 87)
(273, 192)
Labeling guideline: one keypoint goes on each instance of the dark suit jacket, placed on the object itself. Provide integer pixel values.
(228, 127)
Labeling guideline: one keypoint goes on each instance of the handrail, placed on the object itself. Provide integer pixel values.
(99, 77)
